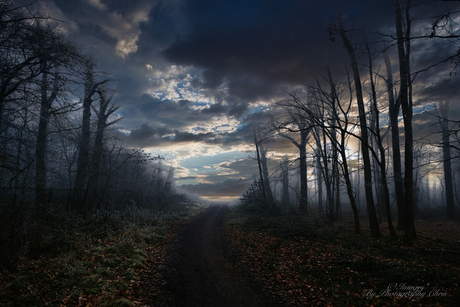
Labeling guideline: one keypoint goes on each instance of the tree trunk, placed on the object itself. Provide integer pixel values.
(40, 151)
(340, 147)
(98, 148)
(406, 105)
(447, 162)
(256, 142)
(303, 205)
(373, 222)
(319, 180)
(285, 182)
(304, 129)
(263, 162)
(350, 193)
(394, 106)
(83, 151)
(383, 175)
(40, 156)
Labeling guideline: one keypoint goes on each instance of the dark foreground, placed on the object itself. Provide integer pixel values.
(202, 271)
(260, 260)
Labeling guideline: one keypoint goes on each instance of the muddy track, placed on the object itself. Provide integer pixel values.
(202, 271)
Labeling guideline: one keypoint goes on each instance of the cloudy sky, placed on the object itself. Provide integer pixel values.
(198, 75)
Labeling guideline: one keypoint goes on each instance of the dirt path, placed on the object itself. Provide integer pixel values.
(201, 271)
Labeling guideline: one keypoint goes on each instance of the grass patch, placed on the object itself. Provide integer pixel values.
(71, 261)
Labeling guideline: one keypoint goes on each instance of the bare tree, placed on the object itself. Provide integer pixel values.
(394, 107)
(373, 222)
(263, 161)
(53, 51)
(303, 127)
(284, 166)
(443, 120)
(405, 96)
(91, 87)
(341, 125)
(382, 161)
(263, 171)
(106, 109)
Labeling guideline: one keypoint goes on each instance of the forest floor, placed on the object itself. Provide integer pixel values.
(227, 257)
(310, 261)
(290, 260)
(67, 260)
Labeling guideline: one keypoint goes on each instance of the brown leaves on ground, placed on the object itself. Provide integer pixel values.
(88, 276)
(332, 266)
(105, 261)
(148, 290)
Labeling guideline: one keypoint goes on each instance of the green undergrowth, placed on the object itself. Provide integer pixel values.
(314, 261)
(73, 261)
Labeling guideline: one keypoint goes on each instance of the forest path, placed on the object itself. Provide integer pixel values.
(201, 271)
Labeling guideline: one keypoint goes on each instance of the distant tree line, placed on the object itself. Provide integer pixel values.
(368, 106)
(56, 150)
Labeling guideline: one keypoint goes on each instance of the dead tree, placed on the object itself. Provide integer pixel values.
(45, 106)
(261, 174)
(373, 221)
(303, 128)
(394, 107)
(443, 120)
(284, 166)
(106, 109)
(53, 51)
(405, 96)
(382, 180)
(91, 86)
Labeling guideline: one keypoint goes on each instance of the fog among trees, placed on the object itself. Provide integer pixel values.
(58, 150)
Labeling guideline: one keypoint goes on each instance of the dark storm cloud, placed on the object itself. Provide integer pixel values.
(169, 113)
(259, 44)
(145, 136)
(147, 132)
(185, 137)
(148, 136)
(212, 78)
(237, 109)
(251, 89)
(215, 109)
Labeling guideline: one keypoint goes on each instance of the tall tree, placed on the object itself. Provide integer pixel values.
(265, 174)
(405, 96)
(103, 113)
(394, 107)
(382, 180)
(303, 127)
(91, 86)
(342, 122)
(54, 51)
(261, 174)
(338, 130)
(373, 222)
(45, 106)
(284, 166)
(443, 110)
